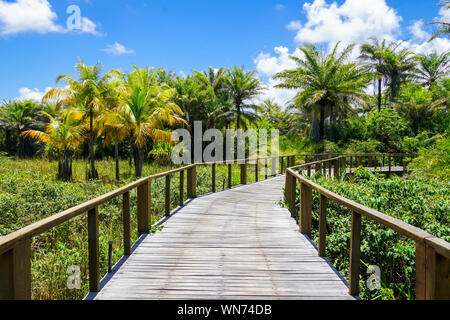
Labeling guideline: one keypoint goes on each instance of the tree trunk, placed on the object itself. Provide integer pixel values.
(93, 173)
(238, 113)
(65, 167)
(379, 94)
(138, 156)
(116, 157)
(322, 122)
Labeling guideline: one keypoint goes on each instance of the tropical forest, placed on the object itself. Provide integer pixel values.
(97, 130)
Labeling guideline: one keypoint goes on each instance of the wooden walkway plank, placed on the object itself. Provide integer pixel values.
(234, 244)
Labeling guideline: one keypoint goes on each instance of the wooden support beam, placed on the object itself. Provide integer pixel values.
(322, 226)
(181, 191)
(355, 253)
(93, 247)
(191, 182)
(305, 209)
(143, 207)
(229, 175)
(213, 178)
(167, 202)
(126, 224)
(15, 272)
(244, 173)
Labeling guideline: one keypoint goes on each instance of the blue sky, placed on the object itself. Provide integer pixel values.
(191, 34)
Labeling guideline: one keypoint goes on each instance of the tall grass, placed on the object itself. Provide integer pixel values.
(29, 192)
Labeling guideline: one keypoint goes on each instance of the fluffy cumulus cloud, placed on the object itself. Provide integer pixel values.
(325, 23)
(31, 94)
(353, 21)
(35, 16)
(117, 49)
(268, 66)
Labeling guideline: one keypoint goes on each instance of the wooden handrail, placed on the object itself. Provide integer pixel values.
(15, 248)
(432, 253)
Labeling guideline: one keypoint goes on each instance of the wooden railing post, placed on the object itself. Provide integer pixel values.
(358, 161)
(432, 273)
(309, 171)
(322, 226)
(266, 173)
(305, 209)
(292, 161)
(318, 168)
(181, 188)
(355, 253)
(93, 247)
(229, 175)
(213, 177)
(143, 207)
(389, 160)
(370, 161)
(421, 270)
(281, 164)
(15, 272)
(126, 224)
(336, 168)
(244, 173)
(291, 192)
(192, 181)
(167, 207)
(256, 170)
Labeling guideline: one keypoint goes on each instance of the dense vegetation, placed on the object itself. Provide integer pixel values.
(57, 153)
(417, 201)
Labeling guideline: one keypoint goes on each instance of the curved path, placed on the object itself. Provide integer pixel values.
(234, 244)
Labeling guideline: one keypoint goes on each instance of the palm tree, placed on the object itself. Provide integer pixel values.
(373, 54)
(105, 122)
(15, 117)
(443, 26)
(243, 86)
(87, 95)
(63, 135)
(325, 82)
(398, 67)
(432, 67)
(147, 108)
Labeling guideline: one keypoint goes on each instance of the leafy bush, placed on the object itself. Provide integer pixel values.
(433, 162)
(388, 127)
(419, 202)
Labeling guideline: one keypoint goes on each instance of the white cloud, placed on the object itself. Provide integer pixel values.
(26, 16)
(33, 94)
(353, 21)
(279, 7)
(117, 49)
(294, 25)
(35, 16)
(418, 32)
(267, 66)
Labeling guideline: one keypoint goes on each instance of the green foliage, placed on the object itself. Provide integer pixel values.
(419, 202)
(388, 127)
(433, 162)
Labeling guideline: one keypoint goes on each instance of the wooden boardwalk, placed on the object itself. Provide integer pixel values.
(234, 244)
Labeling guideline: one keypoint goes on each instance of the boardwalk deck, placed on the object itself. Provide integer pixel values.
(234, 244)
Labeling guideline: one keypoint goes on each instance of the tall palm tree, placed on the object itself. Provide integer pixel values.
(432, 67)
(443, 26)
(243, 86)
(64, 135)
(373, 54)
(147, 108)
(86, 93)
(325, 82)
(15, 117)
